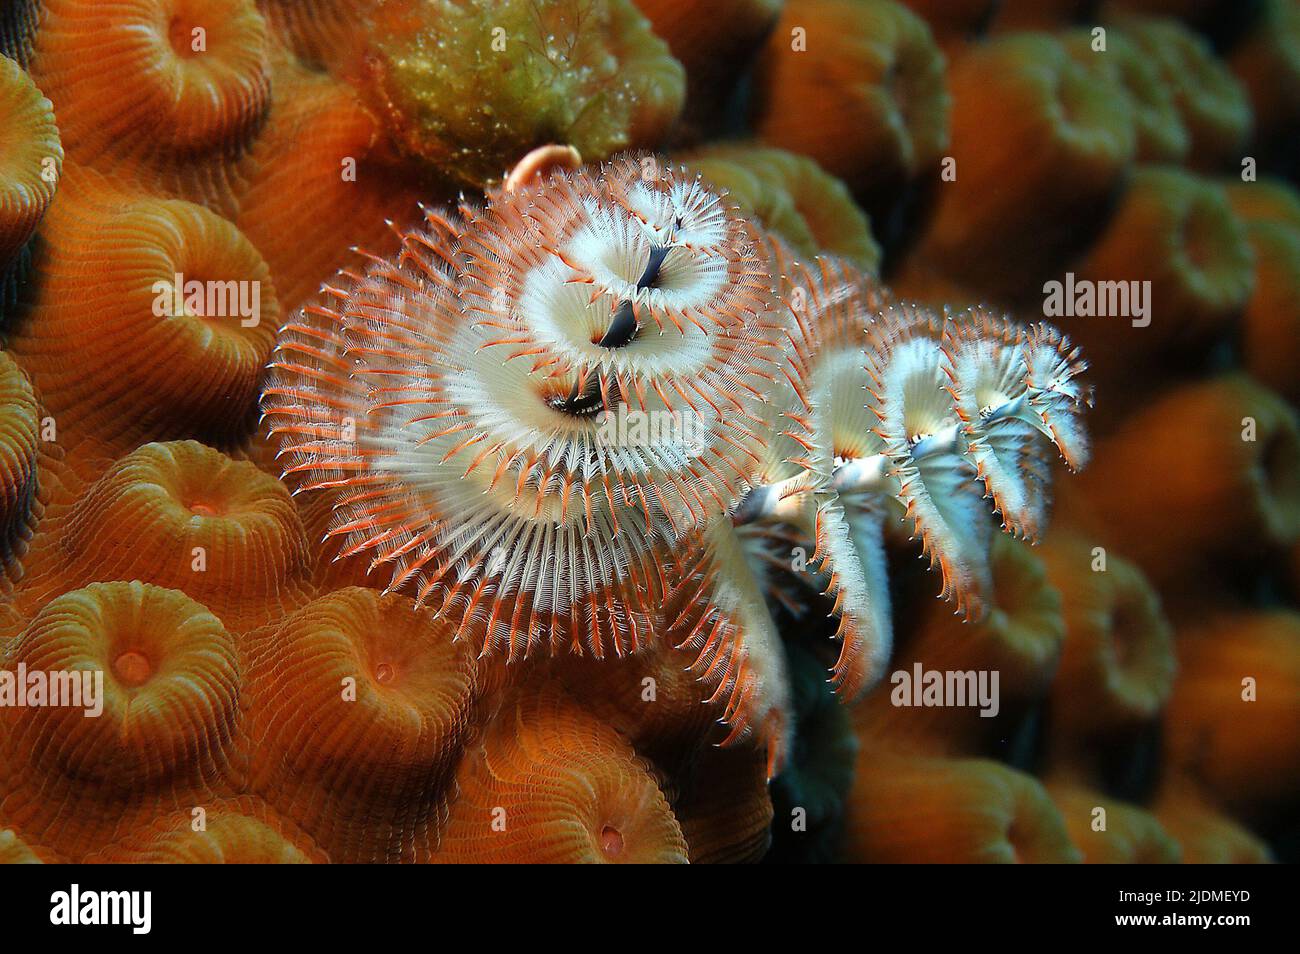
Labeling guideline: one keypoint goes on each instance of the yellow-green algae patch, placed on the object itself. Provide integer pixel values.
(471, 85)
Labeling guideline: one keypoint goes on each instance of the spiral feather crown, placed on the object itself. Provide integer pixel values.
(568, 419)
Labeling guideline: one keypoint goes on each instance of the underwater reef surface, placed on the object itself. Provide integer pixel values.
(462, 431)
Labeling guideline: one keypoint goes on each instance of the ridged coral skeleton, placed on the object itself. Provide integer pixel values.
(456, 401)
(312, 718)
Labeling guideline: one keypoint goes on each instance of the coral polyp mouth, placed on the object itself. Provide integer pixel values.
(611, 841)
(180, 35)
(132, 668)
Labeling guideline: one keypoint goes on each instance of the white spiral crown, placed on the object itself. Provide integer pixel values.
(579, 417)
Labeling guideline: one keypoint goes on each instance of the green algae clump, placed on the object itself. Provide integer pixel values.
(470, 86)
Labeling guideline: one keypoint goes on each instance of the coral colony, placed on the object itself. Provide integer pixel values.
(464, 431)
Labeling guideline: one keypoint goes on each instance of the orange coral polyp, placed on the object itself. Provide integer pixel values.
(125, 275)
(863, 95)
(244, 554)
(19, 433)
(399, 659)
(793, 197)
(919, 809)
(551, 783)
(1132, 835)
(1161, 134)
(1213, 104)
(1022, 633)
(1271, 322)
(1117, 664)
(1231, 720)
(360, 705)
(235, 831)
(172, 79)
(30, 159)
(1177, 231)
(1229, 450)
(175, 705)
(1041, 145)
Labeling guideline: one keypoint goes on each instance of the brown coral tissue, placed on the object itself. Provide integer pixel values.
(646, 431)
